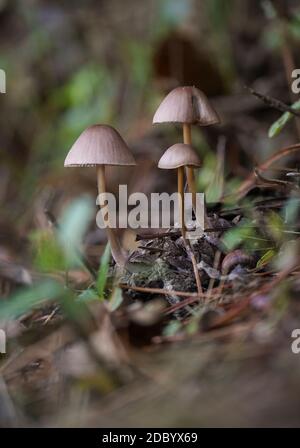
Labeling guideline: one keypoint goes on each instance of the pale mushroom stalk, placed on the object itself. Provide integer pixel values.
(99, 146)
(180, 187)
(187, 139)
(115, 246)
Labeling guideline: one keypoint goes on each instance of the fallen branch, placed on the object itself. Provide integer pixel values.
(273, 102)
(250, 182)
(167, 292)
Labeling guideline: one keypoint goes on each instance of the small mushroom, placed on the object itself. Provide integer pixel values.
(235, 258)
(177, 157)
(187, 105)
(101, 145)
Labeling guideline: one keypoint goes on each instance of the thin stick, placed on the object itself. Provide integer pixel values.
(273, 102)
(275, 182)
(194, 263)
(152, 249)
(248, 184)
(156, 235)
(166, 292)
(191, 300)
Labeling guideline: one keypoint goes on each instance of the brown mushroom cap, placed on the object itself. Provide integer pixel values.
(186, 105)
(179, 155)
(99, 145)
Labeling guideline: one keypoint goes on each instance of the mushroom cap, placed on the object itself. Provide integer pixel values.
(99, 145)
(186, 105)
(178, 155)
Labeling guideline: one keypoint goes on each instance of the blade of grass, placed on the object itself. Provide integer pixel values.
(103, 271)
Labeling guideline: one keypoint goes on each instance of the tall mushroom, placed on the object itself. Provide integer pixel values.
(101, 145)
(177, 157)
(186, 105)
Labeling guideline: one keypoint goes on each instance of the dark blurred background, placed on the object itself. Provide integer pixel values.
(72, 64)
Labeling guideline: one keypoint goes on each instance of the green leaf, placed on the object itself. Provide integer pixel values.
(276, 225)
(26, 299)
(49, 255)
(115, 299)
(237, 235)
(103, 271)
(279, 124)
(73, 225)
(291, 210)
(88, 295)
(172, 328)
(266, 258)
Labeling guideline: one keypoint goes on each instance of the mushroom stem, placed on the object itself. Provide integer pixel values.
(180, 178)
(115, 246)
(187, 139)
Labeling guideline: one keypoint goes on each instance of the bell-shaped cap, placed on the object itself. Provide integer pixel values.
(186, 105)
(178, 155)
(99, 145)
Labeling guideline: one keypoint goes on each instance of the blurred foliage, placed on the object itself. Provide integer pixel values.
(211, 178)
(279, 29)
(219, 14)
(243, 235)
(172, 328)
(73, 225)
(57, 251)
(60, 249)
(48, 253)
(69, 67)
(254, 235)
(26, 299)
(291, 211)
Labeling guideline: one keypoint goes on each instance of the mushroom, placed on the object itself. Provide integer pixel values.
(187, 105)
(177, 157)
(101, 145)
